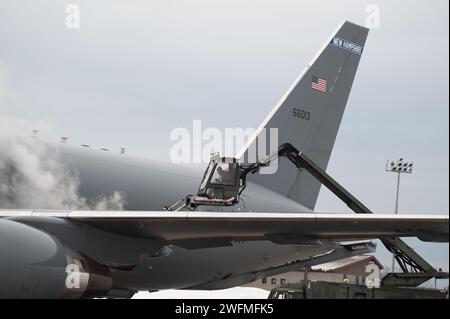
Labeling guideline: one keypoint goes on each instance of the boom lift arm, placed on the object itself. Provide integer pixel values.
(225, 179)
(416, 270)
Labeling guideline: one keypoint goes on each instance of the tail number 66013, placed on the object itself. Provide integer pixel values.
(301, 114)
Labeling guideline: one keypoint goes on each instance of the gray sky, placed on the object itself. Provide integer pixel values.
(137, 69)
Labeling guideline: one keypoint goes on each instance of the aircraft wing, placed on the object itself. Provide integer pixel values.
(190, 229)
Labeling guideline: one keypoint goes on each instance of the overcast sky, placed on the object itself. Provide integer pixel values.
(135, 70)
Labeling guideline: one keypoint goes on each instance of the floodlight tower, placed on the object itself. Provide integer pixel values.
(400, 166)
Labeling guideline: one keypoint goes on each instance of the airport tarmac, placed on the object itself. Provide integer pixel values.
(231, 293)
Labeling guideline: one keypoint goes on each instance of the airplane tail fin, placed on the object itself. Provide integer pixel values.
(309, 115)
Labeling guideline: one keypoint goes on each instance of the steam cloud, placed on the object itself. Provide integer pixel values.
(32, 176)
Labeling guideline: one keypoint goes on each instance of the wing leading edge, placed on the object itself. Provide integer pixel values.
(291, 228)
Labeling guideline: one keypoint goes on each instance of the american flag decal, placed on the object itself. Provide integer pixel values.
(319, 84)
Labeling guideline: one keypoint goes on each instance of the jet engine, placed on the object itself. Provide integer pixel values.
(34, 264)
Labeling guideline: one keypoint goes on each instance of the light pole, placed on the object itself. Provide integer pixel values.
(400, 166)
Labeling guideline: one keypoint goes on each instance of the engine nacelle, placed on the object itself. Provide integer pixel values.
(34, 264)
